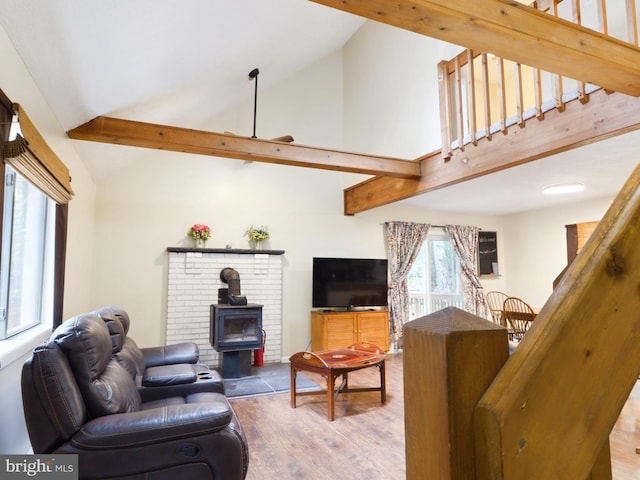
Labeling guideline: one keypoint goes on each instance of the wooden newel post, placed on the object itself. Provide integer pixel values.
(450, 358)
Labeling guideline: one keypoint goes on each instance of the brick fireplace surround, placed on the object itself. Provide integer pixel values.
(194, 279)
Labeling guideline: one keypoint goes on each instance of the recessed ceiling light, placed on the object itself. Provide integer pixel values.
(561, 188)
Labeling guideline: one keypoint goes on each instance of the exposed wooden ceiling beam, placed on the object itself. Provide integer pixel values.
(163, 137)
(604, 116)
(513, 31)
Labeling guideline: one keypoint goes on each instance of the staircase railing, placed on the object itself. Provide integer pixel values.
(482, 95)
(473, 411)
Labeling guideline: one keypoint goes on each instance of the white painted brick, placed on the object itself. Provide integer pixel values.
(193, 282)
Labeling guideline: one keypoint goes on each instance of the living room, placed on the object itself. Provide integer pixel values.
(128, 208)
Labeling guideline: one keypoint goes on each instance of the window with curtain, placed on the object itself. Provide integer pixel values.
(435, 280)
(27, 274)
(35, 194)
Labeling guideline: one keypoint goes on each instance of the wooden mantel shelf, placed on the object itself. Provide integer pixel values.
(241, 251)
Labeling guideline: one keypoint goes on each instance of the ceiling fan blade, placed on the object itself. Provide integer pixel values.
(284, 138)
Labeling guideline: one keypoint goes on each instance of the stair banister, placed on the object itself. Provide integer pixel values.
(552, 406)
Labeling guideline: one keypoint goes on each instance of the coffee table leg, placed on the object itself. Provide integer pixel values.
(293, 387)
(383, 385)
(331, 380)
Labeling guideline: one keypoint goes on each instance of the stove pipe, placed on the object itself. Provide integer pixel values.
(231, 277)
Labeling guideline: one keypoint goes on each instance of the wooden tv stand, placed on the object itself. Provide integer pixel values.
(334, 329)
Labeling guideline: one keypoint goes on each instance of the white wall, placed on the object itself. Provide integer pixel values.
(536, 247)
(18, 85)
(391, 91)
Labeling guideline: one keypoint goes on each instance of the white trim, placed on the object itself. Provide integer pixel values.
(15, 348)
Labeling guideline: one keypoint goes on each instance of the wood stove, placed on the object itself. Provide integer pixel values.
(235, 331)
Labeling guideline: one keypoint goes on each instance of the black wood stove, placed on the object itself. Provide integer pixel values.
(236, 330)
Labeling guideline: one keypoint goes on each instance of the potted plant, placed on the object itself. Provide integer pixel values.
(257, 234)
(200, 233)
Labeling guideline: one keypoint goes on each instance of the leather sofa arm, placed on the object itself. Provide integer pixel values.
(164, 375)
(186, 352)
(147, 427)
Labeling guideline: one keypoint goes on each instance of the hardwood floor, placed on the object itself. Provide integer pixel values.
(366, 440)
(625, 438)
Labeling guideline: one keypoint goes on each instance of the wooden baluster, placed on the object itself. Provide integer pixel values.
(602, 22)
(576, 12)
(559, 90)
(632, 23)
(471, 89)
(542, 5)
(518, 85)
(582, 93)
(445, 108)
(602, 17)
(537, 93)
(487, 96)
(558, 93)
(459, 104)
(501, 95)
(577, 19)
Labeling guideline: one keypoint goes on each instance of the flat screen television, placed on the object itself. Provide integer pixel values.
(347, 283)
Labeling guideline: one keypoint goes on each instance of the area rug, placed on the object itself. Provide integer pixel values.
(270, 378)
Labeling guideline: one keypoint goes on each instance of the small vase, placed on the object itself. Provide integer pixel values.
(257, 245)
(200, 242)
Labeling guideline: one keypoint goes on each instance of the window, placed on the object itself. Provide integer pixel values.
(26, 281)
(35, 194)
(435, 280)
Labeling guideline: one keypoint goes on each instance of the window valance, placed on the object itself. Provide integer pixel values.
(30, 155)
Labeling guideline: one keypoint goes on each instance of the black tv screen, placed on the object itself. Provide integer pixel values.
(349, 282)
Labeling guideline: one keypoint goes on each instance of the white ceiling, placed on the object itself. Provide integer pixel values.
(159, 60)
(94, 57)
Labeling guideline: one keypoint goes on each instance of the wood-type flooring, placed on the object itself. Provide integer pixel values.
(366, 440)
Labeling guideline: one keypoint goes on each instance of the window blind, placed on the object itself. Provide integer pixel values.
(30, 156)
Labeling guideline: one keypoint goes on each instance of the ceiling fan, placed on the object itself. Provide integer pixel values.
(253, 75)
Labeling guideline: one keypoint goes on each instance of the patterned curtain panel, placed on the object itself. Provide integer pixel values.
(404, 240)
(465, 243)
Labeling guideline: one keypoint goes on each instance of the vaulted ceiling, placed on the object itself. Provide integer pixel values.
(159, 61)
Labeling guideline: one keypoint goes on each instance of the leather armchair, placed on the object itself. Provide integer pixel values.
(79, 400)
(158, 371)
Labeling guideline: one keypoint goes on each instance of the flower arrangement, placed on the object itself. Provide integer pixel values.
(200, 231)
(257, 234)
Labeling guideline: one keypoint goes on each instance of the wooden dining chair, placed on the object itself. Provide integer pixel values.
(519, 316)
(495, 300)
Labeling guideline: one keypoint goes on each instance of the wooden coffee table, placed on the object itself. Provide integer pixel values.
(334, 363)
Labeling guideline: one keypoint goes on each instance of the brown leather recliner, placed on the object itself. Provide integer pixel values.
(158, 371)
(79, 400)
